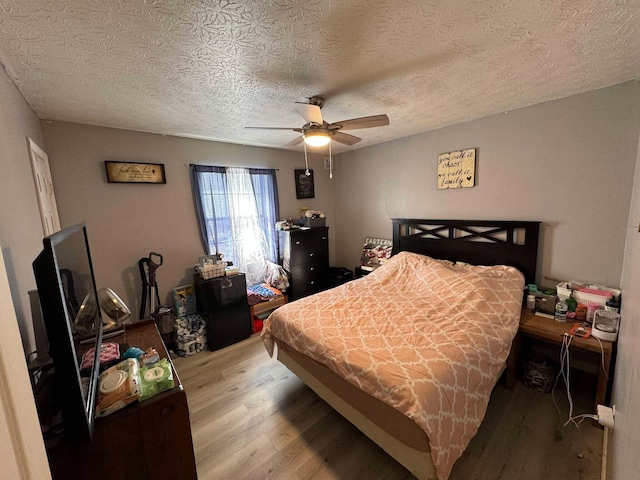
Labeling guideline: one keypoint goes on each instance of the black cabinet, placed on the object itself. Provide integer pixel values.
(222, 301)
(304, 254)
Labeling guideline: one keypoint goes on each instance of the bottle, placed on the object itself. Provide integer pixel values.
(591, 310)
(531, 302)
(561, 311)
(613, 305)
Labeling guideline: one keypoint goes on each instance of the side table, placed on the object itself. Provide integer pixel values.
(549, 331)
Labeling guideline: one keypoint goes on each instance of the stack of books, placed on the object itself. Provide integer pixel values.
(231, 270)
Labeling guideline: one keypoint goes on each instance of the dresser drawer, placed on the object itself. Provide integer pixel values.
(308, 288)
(307, 241)
(308, 271)
(318, 253)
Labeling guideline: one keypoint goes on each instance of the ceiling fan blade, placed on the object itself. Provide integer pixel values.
(363, 122)
(299, 130)
(311, 113)
(345, 138)
(295, 141)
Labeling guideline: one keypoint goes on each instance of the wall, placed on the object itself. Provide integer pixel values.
(20, 226)
(626, 390)
(127, 221)
(568, 163)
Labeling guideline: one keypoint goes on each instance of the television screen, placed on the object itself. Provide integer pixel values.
(69, 304)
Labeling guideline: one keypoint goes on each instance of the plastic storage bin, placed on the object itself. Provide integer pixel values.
(564, 291)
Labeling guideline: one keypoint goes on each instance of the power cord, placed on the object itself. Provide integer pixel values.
(604, 370)
(605, 414)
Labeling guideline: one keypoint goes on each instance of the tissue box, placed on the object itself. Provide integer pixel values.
(313, 222)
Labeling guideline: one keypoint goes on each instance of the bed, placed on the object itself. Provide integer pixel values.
(410, 353)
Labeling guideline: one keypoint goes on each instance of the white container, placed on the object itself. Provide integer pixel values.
(605, 325)
(564, 290)
(531, 302)
(587, 298)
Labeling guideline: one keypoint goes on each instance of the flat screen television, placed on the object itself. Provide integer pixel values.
(69, 304)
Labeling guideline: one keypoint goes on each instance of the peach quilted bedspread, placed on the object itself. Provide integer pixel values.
(422, 335)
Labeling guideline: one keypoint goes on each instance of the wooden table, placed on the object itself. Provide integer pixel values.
(549, 331)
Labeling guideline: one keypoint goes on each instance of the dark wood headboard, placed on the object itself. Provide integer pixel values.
(478, 242)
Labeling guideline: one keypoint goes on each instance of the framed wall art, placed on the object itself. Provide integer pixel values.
(457, 169)
(304, 184)
(129, 172)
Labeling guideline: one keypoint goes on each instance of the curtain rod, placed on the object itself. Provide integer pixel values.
(228, 166)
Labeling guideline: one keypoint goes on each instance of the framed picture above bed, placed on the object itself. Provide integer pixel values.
(457, 169)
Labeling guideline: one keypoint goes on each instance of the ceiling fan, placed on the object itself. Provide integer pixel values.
(317, 132)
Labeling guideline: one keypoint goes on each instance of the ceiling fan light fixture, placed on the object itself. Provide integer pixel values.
(316, 138)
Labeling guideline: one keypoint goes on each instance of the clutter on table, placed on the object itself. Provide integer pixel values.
(140, 375)
(593, 309)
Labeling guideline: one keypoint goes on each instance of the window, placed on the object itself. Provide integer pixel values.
(237, 210)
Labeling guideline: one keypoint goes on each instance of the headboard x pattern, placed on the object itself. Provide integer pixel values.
(479, 242)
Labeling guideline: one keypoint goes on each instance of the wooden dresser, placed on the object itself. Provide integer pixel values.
(304, 254)
(150, 439)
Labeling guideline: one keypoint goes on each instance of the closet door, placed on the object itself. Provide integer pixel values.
(44, 189)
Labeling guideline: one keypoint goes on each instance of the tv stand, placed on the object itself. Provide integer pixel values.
(150, 439)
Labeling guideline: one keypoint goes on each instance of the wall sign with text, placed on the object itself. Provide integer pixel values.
(127, 172)
(457, 169)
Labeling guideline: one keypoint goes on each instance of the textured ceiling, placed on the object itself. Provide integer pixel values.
(209, 68)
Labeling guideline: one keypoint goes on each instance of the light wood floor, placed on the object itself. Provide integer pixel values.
(253, 419)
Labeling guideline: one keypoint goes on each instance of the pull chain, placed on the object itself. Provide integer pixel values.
(330, 162)
(306, 161)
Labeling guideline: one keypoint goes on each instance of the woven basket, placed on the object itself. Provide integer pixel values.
(214, 271)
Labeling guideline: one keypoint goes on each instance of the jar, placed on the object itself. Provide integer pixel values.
(531, 302)
(581, 312)
(591, 310)
(561, 311)
(613, 305)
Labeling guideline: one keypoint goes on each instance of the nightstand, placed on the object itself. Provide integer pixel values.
(547, 330)
(361, 273)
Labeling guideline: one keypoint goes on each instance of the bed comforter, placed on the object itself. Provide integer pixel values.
(425, 336)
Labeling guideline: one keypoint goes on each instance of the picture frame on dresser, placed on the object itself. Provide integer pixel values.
(207, 260)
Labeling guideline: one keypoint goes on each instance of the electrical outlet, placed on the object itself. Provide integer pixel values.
(606, 416)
